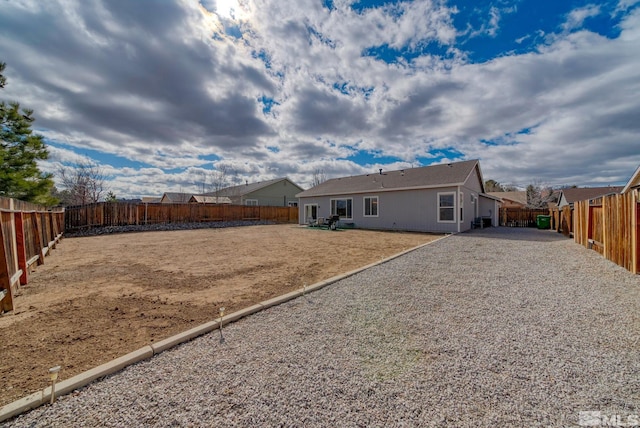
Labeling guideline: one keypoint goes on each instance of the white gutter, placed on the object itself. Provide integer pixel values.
(458, 208)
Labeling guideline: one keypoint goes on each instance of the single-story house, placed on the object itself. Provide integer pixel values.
(444, 198)
(573, 194)
(633, 183)
(151, 199)
(514, 199)
(175, 198)
(202, 199)
(279, 192)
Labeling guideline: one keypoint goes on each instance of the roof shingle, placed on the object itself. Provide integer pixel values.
(450, 174)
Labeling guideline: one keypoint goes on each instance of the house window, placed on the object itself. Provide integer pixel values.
(461, 207)
(446, 207)
(342, 208)
(292, 204)
(251, 202)
(371, 206)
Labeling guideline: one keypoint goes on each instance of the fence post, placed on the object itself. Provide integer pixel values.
(635, 232)
(6, 292)
(21, 247)
(605, 235)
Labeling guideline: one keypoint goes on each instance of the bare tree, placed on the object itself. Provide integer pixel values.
(538, 195)
(319, 177)
(220, 179)
(493, 186)
(83, 183)
(203, 183)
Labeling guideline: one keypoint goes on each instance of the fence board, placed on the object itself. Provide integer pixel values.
(23, 228)
(609, 225)
(521, 217)
(104, 214)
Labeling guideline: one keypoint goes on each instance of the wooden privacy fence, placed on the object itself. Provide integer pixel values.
(104, 214)
(562, 220)
(611, 226)
(28, 233)
(520, 217)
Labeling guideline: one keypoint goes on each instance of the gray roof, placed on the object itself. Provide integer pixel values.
(176, 196)
(452, 174)
(573, 194)
(633, 182)
(245, 189)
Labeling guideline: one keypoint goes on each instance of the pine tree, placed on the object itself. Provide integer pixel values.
(20, 149)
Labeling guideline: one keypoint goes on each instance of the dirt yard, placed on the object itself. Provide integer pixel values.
(97, 298)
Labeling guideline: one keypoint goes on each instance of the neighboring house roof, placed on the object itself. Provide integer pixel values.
(176, 197)
(519, 197)
(151, 199)
(634, 181)
(451, 174)
(573, 194)
(202, 199)
(245, 189)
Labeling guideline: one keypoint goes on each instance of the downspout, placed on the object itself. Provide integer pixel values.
(457, 205)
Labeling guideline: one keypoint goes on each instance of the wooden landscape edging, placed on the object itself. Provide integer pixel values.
(24, 229)
(148, 351)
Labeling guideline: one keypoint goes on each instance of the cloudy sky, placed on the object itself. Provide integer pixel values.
(161, 93)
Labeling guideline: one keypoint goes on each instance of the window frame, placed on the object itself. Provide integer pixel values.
(461, 206)
(251, 202)
(349, 207)
(370, 205)
(452, 208)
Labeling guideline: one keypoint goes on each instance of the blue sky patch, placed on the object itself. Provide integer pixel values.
(489, 29)
(267, 103)
(363, 5)
(104, 158)
(370, 158)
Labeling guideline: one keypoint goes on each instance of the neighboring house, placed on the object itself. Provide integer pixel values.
(279, 192)
(175, 198)
(633, 183)
(573, 194)
(151, 199)
(438, 198)
(517, 199)
(202, 199)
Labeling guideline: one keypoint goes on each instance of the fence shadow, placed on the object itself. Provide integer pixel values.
(516, 234)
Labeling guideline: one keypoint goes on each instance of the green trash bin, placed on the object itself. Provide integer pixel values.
(543, 222)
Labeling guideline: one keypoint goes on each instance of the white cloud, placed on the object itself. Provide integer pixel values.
(576, 17)
(168, 88)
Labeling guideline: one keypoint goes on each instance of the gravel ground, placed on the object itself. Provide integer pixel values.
(497, 327)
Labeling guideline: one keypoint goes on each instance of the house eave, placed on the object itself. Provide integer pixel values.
(380, 190)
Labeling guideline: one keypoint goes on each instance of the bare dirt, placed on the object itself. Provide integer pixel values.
(98, 298)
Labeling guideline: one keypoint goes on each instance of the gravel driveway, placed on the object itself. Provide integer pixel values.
(497, 327)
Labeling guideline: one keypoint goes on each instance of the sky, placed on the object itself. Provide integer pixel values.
(162, 95)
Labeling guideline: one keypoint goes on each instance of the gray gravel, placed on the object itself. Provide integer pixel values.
(498, 327)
